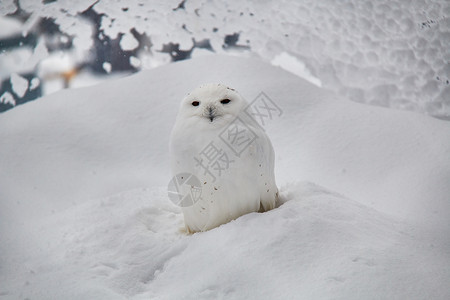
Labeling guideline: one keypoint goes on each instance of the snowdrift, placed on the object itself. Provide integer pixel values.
(84, 211)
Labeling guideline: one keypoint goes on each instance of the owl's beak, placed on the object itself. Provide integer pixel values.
(211, 113)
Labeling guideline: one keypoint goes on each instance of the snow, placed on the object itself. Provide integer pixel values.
(135, 62)
(359, 49)
(107, 67)
(85, 212)
(21, 60)
(292, 64)
(34, 83)
(19, 84)
(9, 27)
(31, 22)
(15, 62)
(8, 7)
(56, 63)
(128, 42)
(40, 53)
(7, 98)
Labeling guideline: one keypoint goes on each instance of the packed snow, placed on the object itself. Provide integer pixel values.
(84, 211)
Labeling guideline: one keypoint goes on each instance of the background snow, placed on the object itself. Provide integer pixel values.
(85, 213)
(388, 53)
(7, 98)
(19, 84)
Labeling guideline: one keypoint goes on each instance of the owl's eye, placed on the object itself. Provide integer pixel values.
(195, 103)
(225, 101)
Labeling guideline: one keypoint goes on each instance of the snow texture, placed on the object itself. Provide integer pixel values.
(84, 212)
(386, 53)
(128, 42)
(34, 83)
(19, 84)
(7, 98)
(293, 65)
(107, 67)
(9, 27)
(8, 7)
(21, 60)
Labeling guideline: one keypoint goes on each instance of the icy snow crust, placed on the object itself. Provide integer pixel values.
(84, 212)
(388, 53)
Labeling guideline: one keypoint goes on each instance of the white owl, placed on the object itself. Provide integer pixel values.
(215, 142)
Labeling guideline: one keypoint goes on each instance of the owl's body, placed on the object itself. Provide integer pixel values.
(232, 157)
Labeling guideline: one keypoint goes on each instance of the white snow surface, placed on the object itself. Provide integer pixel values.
(385, 53)
(9, 27)
(19, 84)
(292, 64)
(7, 98)
(84, 211)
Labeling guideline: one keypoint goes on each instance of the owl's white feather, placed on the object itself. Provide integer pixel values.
(207, 117)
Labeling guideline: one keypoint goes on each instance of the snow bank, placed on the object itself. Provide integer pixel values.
(84, 211)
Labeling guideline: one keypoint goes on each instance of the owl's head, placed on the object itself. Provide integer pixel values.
(215, 104)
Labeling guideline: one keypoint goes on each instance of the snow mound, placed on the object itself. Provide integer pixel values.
(85, 213)
(316, 245)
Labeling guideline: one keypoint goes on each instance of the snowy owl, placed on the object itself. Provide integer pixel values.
(217, 143)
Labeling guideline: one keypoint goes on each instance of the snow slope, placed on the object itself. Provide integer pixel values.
(84, 212)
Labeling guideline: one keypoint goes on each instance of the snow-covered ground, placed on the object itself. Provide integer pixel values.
(84, 211)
